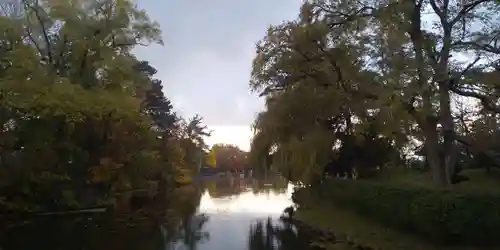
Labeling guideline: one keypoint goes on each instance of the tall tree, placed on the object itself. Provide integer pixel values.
(380, 58)
(70, 106)
(156, 104)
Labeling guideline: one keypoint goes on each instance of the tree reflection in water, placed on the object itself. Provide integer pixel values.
(96, 232)
(172, 222)
(189, 234)
(274, 184)
(153, 227)
(265, 235)
(229, 186)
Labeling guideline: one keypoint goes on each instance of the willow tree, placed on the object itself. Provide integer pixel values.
(318, 90)
(399, 68)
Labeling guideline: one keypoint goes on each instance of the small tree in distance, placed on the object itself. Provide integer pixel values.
(230, 157)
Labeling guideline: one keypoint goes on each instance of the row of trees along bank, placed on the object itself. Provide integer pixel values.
(368, 85)
(82, 118)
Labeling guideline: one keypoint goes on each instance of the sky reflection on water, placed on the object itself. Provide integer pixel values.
(230, 216)
(262, 202)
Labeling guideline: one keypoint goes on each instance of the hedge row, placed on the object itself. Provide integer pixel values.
(442, 217)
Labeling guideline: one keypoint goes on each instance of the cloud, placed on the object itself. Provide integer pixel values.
(206, 61)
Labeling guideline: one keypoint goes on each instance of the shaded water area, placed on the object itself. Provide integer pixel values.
(216, 214)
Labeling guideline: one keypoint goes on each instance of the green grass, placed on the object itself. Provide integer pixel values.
(368, 232)
(480, 181)
(362, 231)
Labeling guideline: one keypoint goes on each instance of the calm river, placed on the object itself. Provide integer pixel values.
(222, 214)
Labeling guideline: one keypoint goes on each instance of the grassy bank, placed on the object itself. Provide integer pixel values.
(363, 231)
(404, 213)
(480, 181)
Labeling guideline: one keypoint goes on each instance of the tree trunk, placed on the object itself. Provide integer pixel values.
(449, 146)
(425, 118)
(432, 156)
(445, 115)
(442, 77)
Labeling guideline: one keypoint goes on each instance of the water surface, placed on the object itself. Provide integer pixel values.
(233, 206)
(216, 214)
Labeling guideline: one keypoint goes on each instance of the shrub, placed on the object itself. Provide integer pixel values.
(443, 217)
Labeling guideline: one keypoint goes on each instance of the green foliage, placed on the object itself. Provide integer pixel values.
(443, 217)
(348, 225)
(230, 157)
(303, 160)
(81, 117)
(68, 100)
(345, 67)
(314, 91)
(191, 140)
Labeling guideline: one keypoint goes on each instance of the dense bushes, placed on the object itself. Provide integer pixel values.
(440, 216)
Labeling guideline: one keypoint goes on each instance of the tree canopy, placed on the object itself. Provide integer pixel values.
(82, 118)
(399, 69)
(230, 157)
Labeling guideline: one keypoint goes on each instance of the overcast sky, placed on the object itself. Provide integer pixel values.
(206, 60)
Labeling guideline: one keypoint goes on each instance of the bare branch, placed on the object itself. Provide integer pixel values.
(485, 100)
(32, 39)
(35, 9)
(467, 8)
(365, 11)
(437, 10)
(467, 68)
(483, 47)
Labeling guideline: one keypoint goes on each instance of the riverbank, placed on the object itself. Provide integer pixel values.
(385, 216)
(352, 231)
